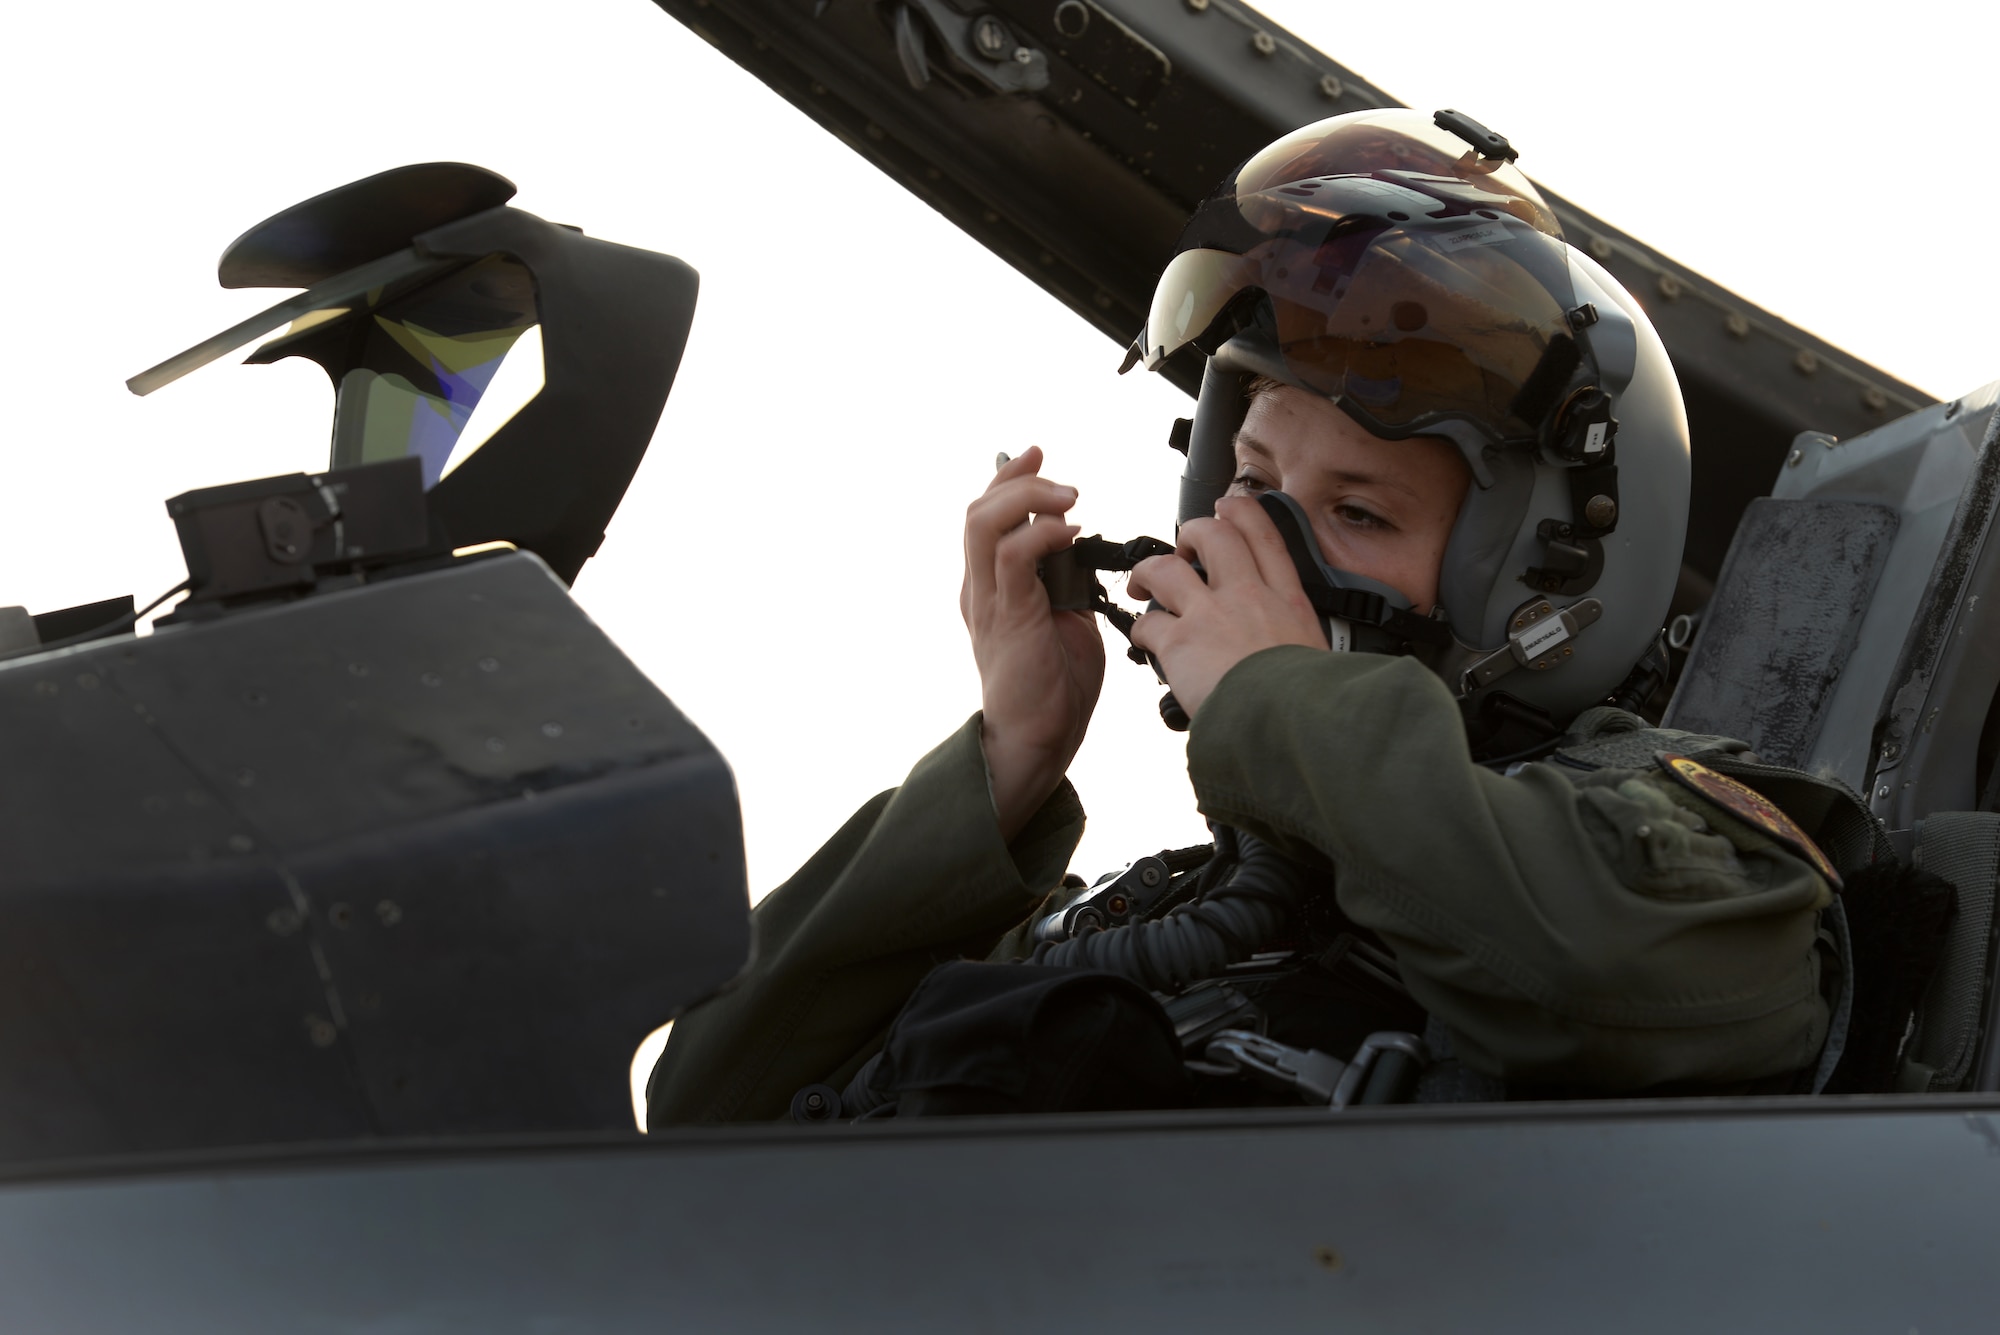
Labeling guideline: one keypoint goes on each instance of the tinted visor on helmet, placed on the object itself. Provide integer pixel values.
(1405, 328)
(1393, 271)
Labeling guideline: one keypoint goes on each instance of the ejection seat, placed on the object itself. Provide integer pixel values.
(1852, 635)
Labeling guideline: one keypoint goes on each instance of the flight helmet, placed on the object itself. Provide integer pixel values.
(1404, 268)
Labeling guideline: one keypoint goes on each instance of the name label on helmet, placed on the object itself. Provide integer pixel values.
(1593, 439)
(1475, 236)
(1543, 636)
(1537, 642)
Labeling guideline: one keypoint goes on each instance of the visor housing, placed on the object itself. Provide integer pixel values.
(419, 363)
(1382, 264)
(414, 343)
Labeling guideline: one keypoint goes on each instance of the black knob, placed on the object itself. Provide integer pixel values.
(816, 1103)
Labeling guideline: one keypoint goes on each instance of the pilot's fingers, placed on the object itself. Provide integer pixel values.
(1168, 580)
(1014, 558)
(1155, 631)
(1004, 507)
(1027, 462)
(1136, 583)
(1220, 548)
(1262, 540)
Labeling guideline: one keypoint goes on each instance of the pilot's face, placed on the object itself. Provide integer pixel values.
(1379, 508)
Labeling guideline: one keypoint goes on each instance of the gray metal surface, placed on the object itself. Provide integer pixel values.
(1920, 468)
(1877, 1217)
(414, 857)
(1782, 625)
(1964, 848)
(1933, 715)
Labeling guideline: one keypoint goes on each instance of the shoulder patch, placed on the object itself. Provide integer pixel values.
(1751, 807)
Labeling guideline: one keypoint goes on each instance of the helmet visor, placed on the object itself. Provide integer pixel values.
(1392, 144)
(1405, 326)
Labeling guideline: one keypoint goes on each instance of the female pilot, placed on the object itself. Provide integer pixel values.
(1481, 434)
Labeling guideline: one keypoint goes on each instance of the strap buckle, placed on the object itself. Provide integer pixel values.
(1379, 1072)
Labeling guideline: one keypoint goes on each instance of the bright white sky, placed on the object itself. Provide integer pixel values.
(833, 416)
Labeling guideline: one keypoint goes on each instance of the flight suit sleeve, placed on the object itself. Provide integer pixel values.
(1610, 934)
(919, 875)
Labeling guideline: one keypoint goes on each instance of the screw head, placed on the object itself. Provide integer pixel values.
(990, 35)
(1150, 876)
(1882, 793)
(1600, 511)
(1792, 460)
(1331, 88)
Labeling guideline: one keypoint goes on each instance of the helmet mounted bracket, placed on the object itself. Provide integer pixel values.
(1488, 144)
(1538, 639)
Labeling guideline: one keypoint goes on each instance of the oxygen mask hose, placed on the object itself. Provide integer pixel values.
(1196, 940)
(1230, 922)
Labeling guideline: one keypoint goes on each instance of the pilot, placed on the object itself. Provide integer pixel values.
(1431, 520)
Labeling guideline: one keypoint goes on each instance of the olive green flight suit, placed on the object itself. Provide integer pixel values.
(1601, 929)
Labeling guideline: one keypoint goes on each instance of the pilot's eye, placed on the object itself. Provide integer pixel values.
(1248, 481)
(1355, 516)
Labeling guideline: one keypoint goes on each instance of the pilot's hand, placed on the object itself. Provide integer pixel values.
(1039, 669)
(1252, 599)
